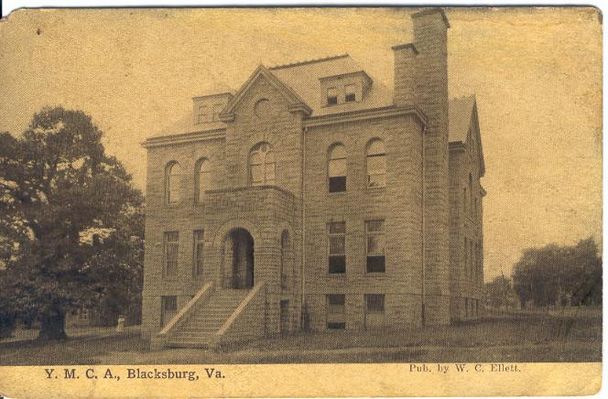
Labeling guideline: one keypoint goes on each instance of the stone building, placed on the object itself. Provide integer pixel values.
(316, 197)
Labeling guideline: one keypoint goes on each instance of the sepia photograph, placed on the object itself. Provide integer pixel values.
(243, 186)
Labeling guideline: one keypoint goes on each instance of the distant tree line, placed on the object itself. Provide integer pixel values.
(550, 276)
(71, 226)
(560, 275)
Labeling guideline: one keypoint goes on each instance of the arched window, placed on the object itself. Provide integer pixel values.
(336, 169)
(172, 183)
(376, 164)
(202, 178)
(261, 165)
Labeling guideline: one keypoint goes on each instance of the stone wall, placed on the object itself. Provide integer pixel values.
(430, 39)
(398, 204)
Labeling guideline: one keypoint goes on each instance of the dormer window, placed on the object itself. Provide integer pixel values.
(332, 96)
(346, 88)
(206, 110)
(350, 94)
(202, 114)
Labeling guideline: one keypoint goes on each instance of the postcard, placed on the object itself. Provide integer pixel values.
(300, 202)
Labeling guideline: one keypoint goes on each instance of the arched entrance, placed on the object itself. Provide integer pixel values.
(238, 259)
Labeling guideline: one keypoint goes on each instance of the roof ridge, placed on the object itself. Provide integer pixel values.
(305, 62)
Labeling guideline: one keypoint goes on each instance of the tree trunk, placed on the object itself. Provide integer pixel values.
(52, 325)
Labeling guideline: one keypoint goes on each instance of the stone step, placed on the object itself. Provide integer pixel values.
(189, 344)
(203, 325)
(211, 315)
(192, 337)
(216, 309)
(198, 330)
(208, 326)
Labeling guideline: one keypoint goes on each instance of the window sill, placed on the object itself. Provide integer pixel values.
(337, 193)
(336, 274)
(375, 274)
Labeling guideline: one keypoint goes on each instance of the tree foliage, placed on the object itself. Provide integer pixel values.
(499, 293)
(560, 275)
(57, 185)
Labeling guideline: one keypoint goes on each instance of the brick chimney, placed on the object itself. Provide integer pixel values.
(421, 78)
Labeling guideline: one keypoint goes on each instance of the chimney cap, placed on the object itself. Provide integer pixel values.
(406, 46)
(430, 11)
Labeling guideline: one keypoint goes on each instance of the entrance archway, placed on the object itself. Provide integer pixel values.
(238, 259)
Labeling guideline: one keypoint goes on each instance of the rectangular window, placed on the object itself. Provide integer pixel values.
(374, 303)
(332, 96)
(350, 93)
(374, 230)
(337, 184)
(476, 264)
(471, 260)
(197, 255)
(336, 232)
(480, 260)
(168, 309)
(466, 257)
(374, 311)
(335, 312)
(171, 249)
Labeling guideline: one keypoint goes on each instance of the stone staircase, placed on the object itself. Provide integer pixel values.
(199, 330)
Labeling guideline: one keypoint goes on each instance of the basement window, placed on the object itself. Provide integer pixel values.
(168, 309)
(335, 312)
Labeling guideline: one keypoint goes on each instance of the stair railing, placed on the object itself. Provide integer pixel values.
(239, 310)
(185, 312)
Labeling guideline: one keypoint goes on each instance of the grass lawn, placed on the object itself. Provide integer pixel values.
(573, 337)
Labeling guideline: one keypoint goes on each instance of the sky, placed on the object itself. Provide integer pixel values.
(536, 73)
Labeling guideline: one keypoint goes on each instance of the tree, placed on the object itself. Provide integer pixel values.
(499, 293)
(56, 184)
(559, 275)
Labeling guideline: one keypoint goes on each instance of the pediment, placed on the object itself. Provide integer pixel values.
(295, 102)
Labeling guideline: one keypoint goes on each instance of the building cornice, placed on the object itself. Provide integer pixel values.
(359, 115)
(184, 138)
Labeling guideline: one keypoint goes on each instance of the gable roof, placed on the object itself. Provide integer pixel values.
(304, 77)
(261, 71)
(462, 119)
(460, 113)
